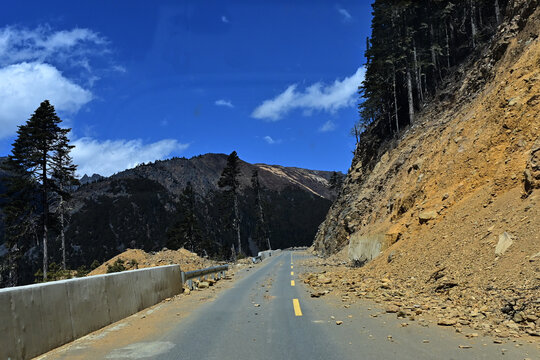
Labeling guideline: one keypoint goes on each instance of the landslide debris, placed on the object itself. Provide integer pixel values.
(454, 205)
(138, 259)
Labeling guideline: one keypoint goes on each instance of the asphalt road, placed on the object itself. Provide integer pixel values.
(263, 316)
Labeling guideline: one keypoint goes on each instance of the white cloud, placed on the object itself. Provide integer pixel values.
(33, 64)
(222, 102)
(329, 98)
(271, 141)
(119, 68)
(24, 86)
(328, 126)
(224, 19)
(345, 13)
(42, 44)
(111, 156)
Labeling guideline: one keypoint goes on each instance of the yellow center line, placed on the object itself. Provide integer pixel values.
(292, 273)
(291, 266)
(296, 305)
(292, 282)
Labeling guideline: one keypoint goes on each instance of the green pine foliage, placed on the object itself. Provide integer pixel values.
(413, 47)
(228, 181)
(186, 232)
(336, 181)
(41, 168)
(117, 266)
(261, 233)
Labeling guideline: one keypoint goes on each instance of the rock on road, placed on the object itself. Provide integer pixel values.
(267, 313)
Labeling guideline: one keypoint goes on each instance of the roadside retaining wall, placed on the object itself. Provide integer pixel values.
(37, 318)
(365, 248)
(265, 254)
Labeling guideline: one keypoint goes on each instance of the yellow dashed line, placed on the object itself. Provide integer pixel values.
(296, 305)
(292, 282)
(291, 266)
(292, 273)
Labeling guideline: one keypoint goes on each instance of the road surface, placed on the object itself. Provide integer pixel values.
(267, 313)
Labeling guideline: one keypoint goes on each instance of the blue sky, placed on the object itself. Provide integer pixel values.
(139, 80)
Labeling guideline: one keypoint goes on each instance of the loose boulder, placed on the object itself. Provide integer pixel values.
(426, 216)
(505, 240)
(364, 248)
(532, 171)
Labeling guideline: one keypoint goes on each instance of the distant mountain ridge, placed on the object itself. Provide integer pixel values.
(135, 208)
(203, 172)
(85, 179)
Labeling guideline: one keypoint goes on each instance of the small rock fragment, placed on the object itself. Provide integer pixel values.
(446, 322)
(505, 240)
(392, 309)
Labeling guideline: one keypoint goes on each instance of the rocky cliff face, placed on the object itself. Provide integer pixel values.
(449, 213)
(478, 136)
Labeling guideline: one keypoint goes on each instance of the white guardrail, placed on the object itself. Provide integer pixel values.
(216, 271)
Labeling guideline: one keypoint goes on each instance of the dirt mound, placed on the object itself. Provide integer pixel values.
(139, 259)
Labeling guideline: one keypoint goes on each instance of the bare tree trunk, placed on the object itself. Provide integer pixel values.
(261, 216)
(447, 45)
(410, 96)
(395, 99)
(436, 68)
(417, 75)
(423, 77)
(497, 12)
(433, 55)
(12, 263)
(45, 217)
(480, 19)
(473, 23)
(192, 237)
(237, 223)
(62, 236)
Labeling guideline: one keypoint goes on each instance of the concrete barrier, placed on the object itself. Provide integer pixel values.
(265, 254)
(365, 248)
(37, 318)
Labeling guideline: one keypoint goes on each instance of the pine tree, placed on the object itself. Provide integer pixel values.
(63, 176)
(20, 220)
(413, 46)
(229, 182)
(336, 181)
(186, 232)
(261, 227)
(37, 142)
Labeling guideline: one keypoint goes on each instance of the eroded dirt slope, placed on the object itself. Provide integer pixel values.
(139, 259)
(461, 181)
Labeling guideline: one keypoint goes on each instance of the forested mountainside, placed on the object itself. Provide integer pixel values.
(416, 56)
(137, 208)
(447, 209)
